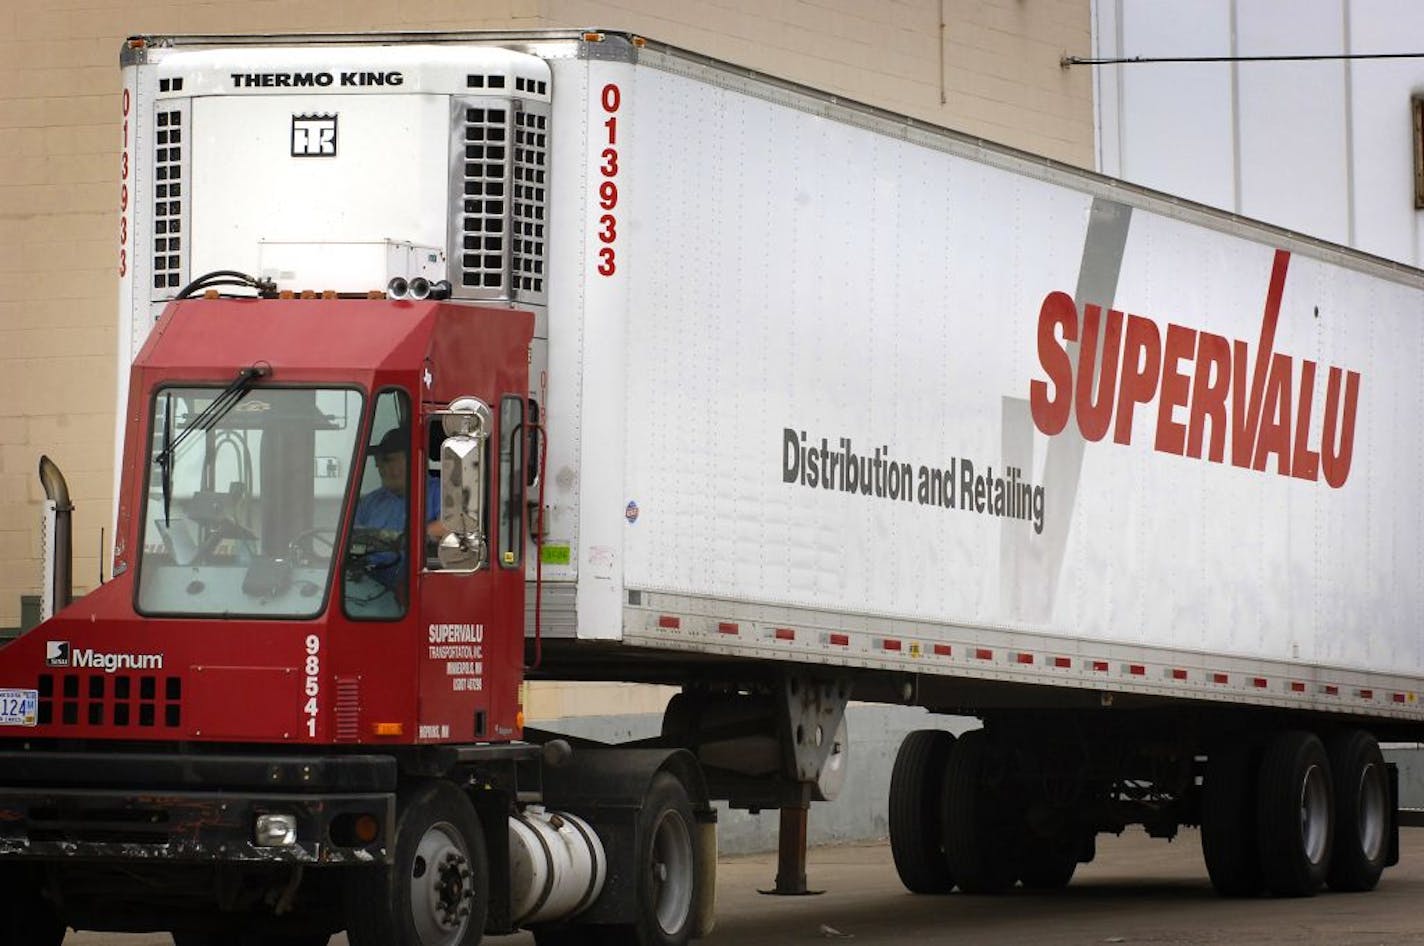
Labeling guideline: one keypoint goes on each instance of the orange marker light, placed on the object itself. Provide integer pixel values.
(388, 729)
(365, 829)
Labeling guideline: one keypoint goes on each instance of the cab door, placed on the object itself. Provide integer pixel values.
(471, 584)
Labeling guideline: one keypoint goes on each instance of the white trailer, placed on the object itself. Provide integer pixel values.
(838, 402)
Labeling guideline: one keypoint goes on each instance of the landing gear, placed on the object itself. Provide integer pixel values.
(916, 817)
(437, 891)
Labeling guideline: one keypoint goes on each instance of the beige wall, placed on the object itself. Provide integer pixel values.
(59, 137)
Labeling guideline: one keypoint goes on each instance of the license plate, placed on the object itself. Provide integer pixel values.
(19, 707)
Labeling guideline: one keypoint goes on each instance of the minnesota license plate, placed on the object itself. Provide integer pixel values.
(19, 707)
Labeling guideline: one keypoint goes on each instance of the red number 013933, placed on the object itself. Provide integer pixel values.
(606, 231)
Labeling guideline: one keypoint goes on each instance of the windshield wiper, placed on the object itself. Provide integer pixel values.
(205, 420)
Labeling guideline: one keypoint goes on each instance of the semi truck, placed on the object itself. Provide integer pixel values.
(455, 361)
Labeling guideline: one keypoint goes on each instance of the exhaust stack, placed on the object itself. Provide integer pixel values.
(59, 533)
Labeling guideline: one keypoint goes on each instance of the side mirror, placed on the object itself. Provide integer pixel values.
(464, 484)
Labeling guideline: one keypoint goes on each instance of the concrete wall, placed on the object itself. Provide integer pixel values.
(59, 164)
(1410, 759)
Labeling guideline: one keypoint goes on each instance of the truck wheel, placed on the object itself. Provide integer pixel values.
(916, 797)
(979, 841)
(1361, 811)
(1294, 814)
(26, 917)
(1228, 822)
(1048, 863)
(436, 893)
(665, 868)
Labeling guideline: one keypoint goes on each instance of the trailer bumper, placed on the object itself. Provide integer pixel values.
(107, 807)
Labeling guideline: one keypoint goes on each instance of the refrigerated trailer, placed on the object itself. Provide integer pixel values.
(456, 360)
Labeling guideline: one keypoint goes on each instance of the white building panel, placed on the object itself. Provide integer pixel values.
(1322, 146)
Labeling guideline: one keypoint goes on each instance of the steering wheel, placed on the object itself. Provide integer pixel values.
(365, 541)
(313, 546)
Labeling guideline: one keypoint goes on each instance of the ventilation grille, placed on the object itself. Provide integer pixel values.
(347, 709)
(531, 152)
(477, 81)
(105, 699)
(484, 178)
(169, 201)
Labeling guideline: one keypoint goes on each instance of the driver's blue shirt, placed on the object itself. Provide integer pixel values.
(382, 508)
(385, 509)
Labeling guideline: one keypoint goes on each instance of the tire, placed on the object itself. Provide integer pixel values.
(1228, 822)
(665, 865)
(1048, 863)
(1362, 811)
(27, 918)
(437, 891)
(979, 840)
(228, 938)
(916, 819)
(1294, 814)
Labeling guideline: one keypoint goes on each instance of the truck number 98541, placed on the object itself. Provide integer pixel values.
(311, 688)
(607, 229)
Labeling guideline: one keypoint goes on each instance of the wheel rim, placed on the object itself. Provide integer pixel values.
(441, 886)
(1371, 808)
(671, 872)
(1314, 814)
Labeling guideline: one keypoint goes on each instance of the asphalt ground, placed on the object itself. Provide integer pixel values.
(1138, 890)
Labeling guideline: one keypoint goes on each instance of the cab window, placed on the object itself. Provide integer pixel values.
(377, 570)
(511, 481)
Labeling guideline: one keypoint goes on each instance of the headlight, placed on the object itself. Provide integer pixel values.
(276, 830)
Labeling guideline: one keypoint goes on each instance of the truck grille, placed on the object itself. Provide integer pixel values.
(347, 709)
(110, 699)
(170, 121)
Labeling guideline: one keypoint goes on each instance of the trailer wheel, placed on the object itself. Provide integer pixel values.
(916, 821)
(1362, 812)
(1294, 814)
(980, 842)
(229, 938)
(1048, 863)
(26, 917)
(665, 871)
(436, 893)
(1228, 822)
